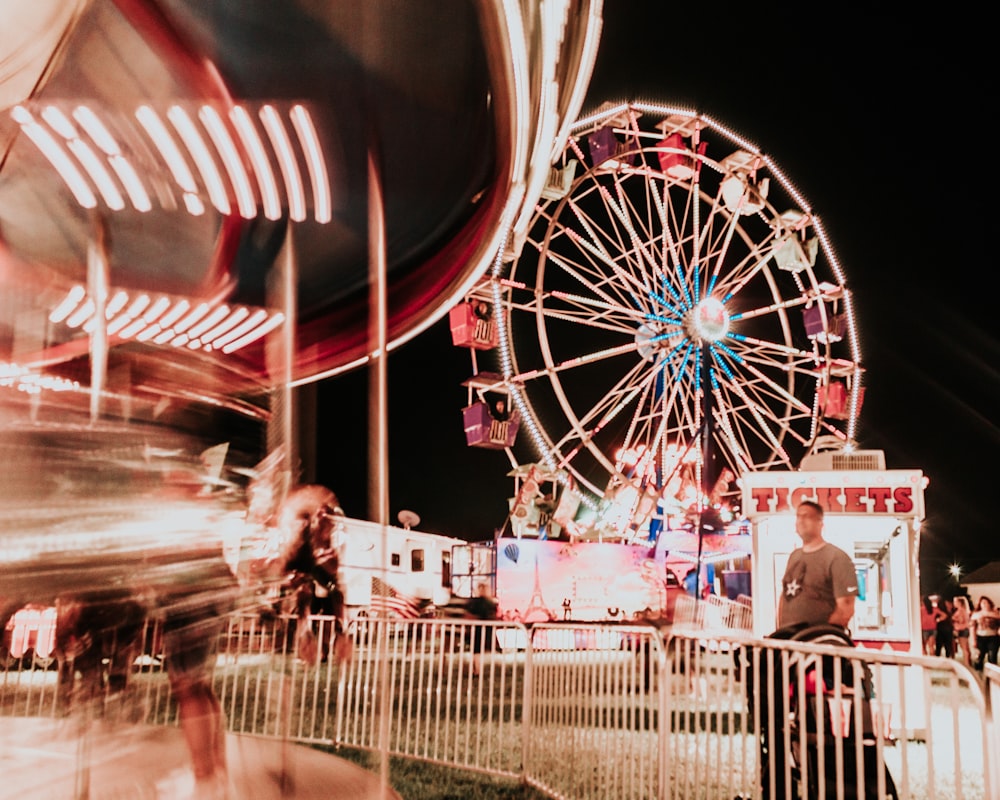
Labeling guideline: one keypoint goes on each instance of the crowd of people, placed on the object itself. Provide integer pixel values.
(952, 628)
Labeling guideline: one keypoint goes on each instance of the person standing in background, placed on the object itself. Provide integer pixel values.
(961, 620)
(481, 607)
(986, 623)
(928, 625)
(944, 630)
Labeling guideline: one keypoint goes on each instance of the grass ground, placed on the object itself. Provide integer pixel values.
(419, 780)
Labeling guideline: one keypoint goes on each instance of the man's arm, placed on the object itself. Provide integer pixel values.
(843, 613)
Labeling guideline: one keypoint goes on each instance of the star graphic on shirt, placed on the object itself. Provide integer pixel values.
(792, 588)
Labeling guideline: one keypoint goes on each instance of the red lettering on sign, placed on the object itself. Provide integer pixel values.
(879, 495)
(902, 498)
(853, 500)
(835, 499)
(800, 494)
(762, 498)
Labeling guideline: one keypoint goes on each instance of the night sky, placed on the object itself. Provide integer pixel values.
(880, 123)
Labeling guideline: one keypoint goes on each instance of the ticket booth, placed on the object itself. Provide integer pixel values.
(874, 516)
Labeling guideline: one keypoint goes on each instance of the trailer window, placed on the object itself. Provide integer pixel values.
(394, 559)
(416, 561)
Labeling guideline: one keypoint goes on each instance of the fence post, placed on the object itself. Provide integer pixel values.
(526, 702)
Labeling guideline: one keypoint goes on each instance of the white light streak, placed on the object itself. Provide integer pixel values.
(98, 173)
(227, 324)
(81, 315)
(164, 142)
(200, 311)
(258, 158)
(240, 330)
(67, 304)
(231, 160)
(214, 318)
(95, 129)
(57, 157)
(138, 306)
(286, 158)
(255, 334)
(322, 204)
(156, 310)
(130, 180)
(116, 303)
(131, 330)
(202, 158)
(174, 314)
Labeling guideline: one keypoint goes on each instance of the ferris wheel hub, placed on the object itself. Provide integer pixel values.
(708, 321)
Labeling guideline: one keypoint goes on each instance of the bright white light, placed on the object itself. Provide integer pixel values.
(255, 334)
(175, 313)
(302, 122)
(57, 157)
(200, 311)
(286, 157)
(95, 128)
(68, 303)
(81, 315)
(131, 330)
(231, 160)
(130, 180)
(710, 320)
(258, 158)
(240, 330)
(214, 318)
(227, 324)
(164, 142)
(202, 158)
(116, 303)
(98, 174)
(138, 306)
(156, 310)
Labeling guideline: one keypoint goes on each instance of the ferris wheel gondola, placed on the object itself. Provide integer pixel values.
(675, 316)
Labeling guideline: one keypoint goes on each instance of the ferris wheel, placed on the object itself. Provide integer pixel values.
(674, 316)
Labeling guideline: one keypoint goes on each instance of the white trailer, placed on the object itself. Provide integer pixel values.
(402, 572)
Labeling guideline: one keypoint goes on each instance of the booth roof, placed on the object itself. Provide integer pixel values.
(989, 573)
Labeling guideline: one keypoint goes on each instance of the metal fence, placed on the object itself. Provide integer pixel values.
(596, 711)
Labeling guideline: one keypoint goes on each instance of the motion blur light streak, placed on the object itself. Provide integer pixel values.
(51, 149)
(306, 132)
(230, 159)
(262, 167)
(286, 158)
(202, 159)
(164, 142)
(206, 327)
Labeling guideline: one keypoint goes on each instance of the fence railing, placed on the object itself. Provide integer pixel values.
(595, 711)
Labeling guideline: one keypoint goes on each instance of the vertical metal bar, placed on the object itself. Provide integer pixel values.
(97, 288)
(378, 450)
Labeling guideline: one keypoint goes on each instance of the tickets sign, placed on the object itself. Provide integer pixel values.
(887, 492)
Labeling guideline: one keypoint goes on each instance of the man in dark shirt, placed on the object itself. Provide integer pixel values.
(820, 583)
